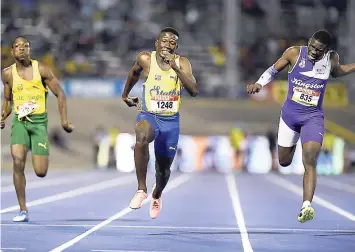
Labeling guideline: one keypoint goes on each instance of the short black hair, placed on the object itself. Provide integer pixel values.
(171, 30)
(324, 37)
(13, 41)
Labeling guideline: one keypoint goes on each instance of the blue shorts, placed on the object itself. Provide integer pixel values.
(166, 129)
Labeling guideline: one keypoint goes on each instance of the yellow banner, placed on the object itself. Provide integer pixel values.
(336, 94)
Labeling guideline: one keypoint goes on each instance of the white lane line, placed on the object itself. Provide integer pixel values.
(188, 228)
(299, 190)
(125, 250)
(171, 185)
(76, 192)
(238, 212)
(336, 185)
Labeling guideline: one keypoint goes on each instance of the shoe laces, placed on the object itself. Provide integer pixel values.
(155, 204)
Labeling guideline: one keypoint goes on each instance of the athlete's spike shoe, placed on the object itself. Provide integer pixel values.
(155, 206)
(306, 214)
(21, 217)
(138, 199)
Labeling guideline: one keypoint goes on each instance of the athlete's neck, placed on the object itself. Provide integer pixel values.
(23, 63)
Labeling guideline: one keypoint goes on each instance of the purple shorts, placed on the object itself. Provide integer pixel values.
(310, 127)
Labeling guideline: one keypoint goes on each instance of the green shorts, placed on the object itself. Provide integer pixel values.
(33, 134)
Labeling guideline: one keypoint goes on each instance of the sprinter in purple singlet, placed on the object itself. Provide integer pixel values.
(309, 68)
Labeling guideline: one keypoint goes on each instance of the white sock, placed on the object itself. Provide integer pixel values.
(306, 203)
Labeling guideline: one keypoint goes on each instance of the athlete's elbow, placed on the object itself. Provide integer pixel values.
(61, 95)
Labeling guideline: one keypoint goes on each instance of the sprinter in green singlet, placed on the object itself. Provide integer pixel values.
(25, 90)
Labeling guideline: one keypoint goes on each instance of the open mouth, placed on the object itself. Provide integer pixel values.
(311, 56)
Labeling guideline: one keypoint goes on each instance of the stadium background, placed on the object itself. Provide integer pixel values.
(92, 44)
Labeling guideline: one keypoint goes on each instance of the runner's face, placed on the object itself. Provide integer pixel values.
(316, 50)
(21, 49)
(167, 43)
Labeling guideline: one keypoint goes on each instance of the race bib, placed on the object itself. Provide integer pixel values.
(305, 96)
(26, 109)
(165, 104)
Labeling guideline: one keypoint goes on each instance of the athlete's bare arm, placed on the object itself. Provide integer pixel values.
(52, 83)
(6, 107)
(187, 78)
(338, 69)
(288, 58)
(142, 63)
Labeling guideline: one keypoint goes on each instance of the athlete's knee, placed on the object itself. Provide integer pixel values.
(143, 134)
(309, 157)
(40, 164)
(284, 163)
(285, 155)
(142, 140)
(41, 173)
(163, 173)
(285, 159)
(19, 163)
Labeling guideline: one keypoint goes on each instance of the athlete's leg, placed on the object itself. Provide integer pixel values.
(144, 135)
(146, 130)
(19, 154)
(20, 143)
(162, 173)
(165, 151)
(286, 140)
(310, 152)
(40, 165)
(312, 137)
(40, 148)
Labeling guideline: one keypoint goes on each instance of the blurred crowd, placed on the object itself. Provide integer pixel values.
(100, 38)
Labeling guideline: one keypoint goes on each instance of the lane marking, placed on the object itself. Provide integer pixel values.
(316, 199)
(171, 185)
(76, 192)
(125, 250)
(336, 185)
(238, 212)
(192, 228)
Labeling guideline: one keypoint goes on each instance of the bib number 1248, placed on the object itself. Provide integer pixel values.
(165, 104)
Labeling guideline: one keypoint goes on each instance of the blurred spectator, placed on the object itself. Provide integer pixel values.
(101, 38)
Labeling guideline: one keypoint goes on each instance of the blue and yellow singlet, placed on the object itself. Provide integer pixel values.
(161, 90)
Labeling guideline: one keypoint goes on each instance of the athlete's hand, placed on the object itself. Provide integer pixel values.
(170, 59)
(2, 123)
(3, 118)
(253, 88)
(131, 101)
(68, 127)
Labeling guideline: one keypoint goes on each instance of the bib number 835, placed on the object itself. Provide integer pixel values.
(306, 98)
(165, 105)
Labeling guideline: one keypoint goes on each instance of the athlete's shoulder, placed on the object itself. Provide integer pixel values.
(334, 56)
(144, 55)
(44, 70)
(293, 51)
(7, 73)
(184, 60)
